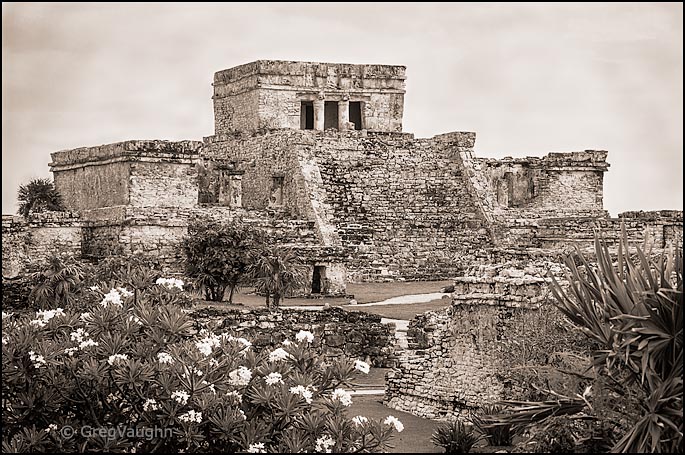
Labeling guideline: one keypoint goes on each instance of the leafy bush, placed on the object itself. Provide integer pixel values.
(454, 437)
(138, 377)
(495, 435)
(633, 309)
(219, 255)
(58, 282)
(39, 195)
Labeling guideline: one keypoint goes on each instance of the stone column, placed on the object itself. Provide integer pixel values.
(318, 114)
(343, 114)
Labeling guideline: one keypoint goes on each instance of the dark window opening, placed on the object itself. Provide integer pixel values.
(330, 115)
(356, 114)
(318, 279)
(307, 115)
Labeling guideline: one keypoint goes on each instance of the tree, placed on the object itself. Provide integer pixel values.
(219, 255)
(277, 272)
(39, 195)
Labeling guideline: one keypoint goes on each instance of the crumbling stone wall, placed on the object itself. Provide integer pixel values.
(400, 205)
(338, 332)
(32, 241)
(458, 358)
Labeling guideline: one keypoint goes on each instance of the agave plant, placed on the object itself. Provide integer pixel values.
(454, 437)
(499, 435)
(633, 308)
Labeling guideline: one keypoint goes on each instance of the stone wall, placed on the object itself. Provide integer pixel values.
(142, 173)
(557, 181)
(268, 94)
(400, 205)
(459, 358)
(338, 332)
(163, 184)
(33, 241)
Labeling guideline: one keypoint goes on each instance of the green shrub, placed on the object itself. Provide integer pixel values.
(57, 283)
(454, 437)
(143, 374)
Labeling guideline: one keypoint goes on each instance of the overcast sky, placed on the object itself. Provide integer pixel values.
(528, 78)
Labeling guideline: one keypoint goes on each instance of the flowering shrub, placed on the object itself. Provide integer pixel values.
(144, 375)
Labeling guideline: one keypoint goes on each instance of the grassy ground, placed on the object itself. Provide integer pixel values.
(363, 293)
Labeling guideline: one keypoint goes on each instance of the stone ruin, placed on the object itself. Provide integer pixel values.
(315, 154)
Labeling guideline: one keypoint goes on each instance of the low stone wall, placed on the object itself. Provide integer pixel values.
(338, 332)
(459, 358)
(34, 240)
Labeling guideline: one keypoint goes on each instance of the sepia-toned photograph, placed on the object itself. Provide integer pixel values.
(342, 227)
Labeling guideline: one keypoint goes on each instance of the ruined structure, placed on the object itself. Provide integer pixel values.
(315, 153)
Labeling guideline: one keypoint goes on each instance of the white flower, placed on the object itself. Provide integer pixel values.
(286, 342)
(125, 292)
(42, 317)
(87, 343)
(257, 448)
(274, 378)
(234, 394)
(163, 357)
(240, 377)
(204, 348)
(180, 396)
(70, 351)
(390, 420)
(38, 360)
(94, 288)
(51, 427)
(324, 444)
(343, 396)
(79, 335)
(304, 335)
(197, 371)
(135, 319)
(170, 283)
(359, 420)
(278, 354)
(214, 362)
(6, 315)
(150, 405)
(116, 357)
(206, 344)
(191, 416)
(303, 391)
(242, 414)
(362, 366)
(112, 297)
(85, 317)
